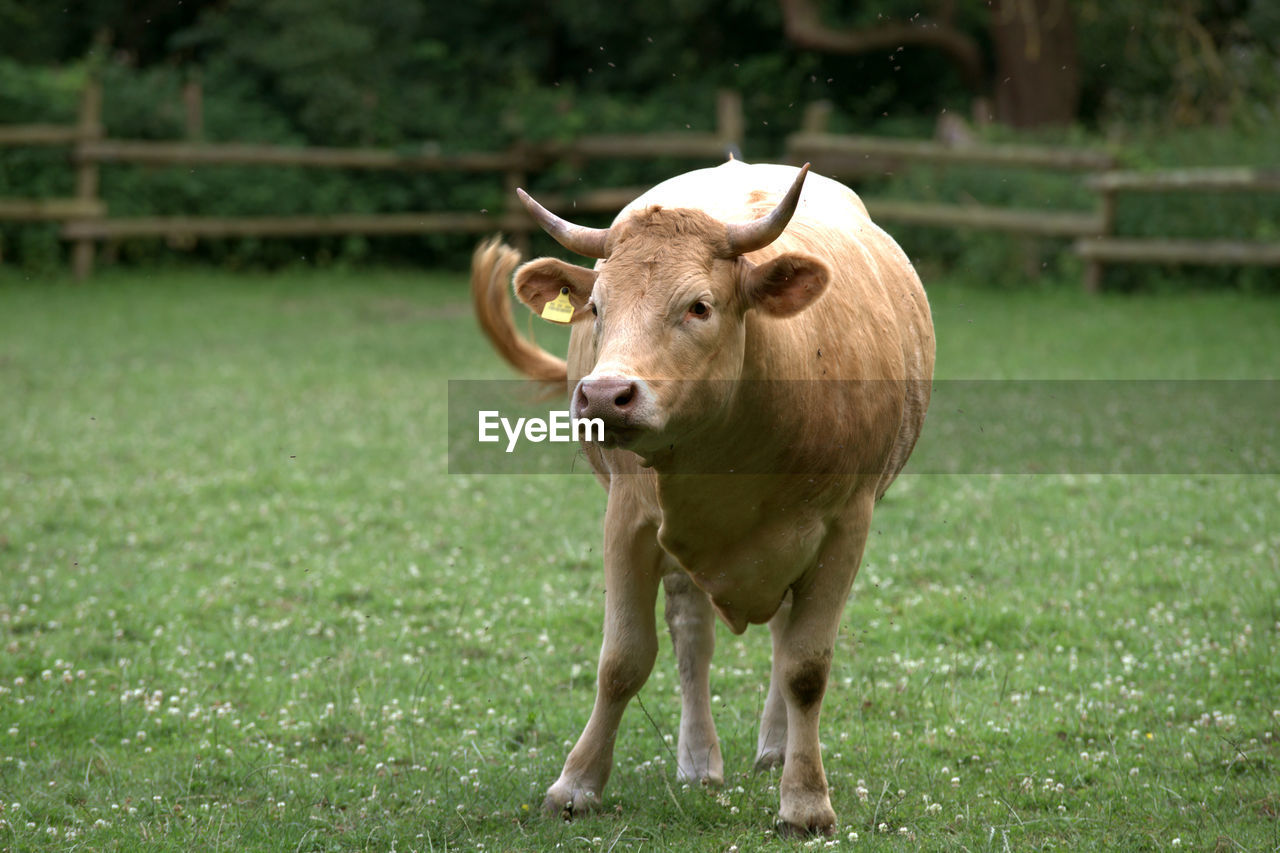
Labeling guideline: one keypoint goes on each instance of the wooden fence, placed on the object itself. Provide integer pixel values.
(1105, 247)
(85, 220)
(1095, 240)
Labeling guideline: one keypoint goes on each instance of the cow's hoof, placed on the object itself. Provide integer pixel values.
(769, 760)
(787, 829)
(705, 778)
(702, 767)
(803, 819)
(567, 802)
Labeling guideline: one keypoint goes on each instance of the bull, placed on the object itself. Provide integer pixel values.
(761, 355)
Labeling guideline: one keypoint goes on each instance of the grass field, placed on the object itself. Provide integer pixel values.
(244, 607)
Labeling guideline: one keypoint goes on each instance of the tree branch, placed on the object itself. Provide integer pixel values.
(803, 26)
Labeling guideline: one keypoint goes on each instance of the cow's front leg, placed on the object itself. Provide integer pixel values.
(632, 574)
(692, 623)
(804, 663)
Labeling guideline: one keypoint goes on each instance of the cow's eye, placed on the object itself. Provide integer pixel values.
(594, 312)
(700, 309)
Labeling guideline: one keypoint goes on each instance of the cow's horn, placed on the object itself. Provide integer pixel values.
(584, 241)
(748, 236)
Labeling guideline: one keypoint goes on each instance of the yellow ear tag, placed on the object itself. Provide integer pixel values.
(560, 309)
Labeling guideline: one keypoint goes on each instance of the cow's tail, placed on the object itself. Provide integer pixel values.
(491, 268)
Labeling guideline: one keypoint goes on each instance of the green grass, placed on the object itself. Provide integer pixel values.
(243, 607)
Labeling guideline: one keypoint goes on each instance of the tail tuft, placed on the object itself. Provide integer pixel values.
(492, 266)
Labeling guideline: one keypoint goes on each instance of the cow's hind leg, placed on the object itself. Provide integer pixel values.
(803, 663)
(771, 746)
(691, 622)
(632, 575)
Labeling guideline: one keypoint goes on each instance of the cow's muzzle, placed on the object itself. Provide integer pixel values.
(623, 403)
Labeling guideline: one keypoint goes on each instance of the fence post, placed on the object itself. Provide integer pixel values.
(729, 124)
(817, 115)
(193, 109)
(1093, 271)
(88, 130)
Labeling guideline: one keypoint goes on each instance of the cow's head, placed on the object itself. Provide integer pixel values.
(665, 311)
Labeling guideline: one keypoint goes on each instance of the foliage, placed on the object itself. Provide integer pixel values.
(484, 74)
(383, 72)
(39, 93)
(242, 605)
(1183, 63)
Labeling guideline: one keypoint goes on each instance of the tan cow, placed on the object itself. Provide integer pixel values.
(760, 353)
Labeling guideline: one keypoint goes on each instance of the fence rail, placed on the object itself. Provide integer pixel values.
(147, 153)
(37, 134)
(185, 227)
(1011, 219)
(810, 144)
(1226, 179)
(50, 209)
(1163, 251)
(86, 221)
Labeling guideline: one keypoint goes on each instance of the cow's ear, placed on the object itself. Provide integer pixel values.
(540, 281)
(784, 285)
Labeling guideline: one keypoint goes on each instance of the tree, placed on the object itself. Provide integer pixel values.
(1036, 77)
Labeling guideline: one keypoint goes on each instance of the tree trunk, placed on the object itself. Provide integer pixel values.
(1037, 65)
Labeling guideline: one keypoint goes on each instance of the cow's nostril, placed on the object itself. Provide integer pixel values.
(627, 395)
